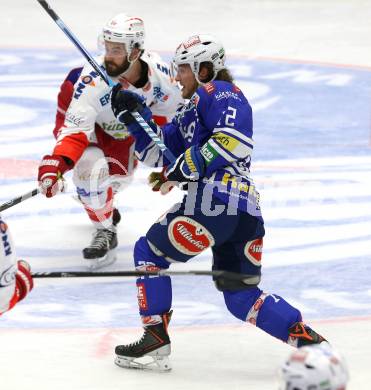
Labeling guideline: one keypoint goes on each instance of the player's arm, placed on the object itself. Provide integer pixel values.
(64, 99)
(15, 276)
(74, 137)
(231, 138)
(123, 103)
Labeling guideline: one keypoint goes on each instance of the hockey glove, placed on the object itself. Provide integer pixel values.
(124, 102)
(158, 182)
(50, 177)
(23, 280)
(189, 166)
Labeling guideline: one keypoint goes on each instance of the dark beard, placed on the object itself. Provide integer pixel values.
(114, 70)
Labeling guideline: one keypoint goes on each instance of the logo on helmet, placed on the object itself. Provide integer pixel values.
(200, 53)
(192, 41)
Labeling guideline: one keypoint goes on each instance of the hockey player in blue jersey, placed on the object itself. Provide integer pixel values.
(211, 137)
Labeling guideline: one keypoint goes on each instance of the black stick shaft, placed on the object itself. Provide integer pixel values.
(18, 199)
(247, 279)
(74, 40)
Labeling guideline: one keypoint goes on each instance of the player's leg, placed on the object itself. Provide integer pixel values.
(269, 312)
(154, 301)
(91, 177)
(175, 238)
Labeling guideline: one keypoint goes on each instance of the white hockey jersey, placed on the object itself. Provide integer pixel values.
(91, 106)
(8, 267)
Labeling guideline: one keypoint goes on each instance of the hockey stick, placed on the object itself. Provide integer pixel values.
(145, 126)
(19, 199)
(247, 279)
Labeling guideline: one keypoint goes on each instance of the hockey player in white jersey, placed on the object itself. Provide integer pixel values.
(15, 277)
(314, 367)
(92, 142)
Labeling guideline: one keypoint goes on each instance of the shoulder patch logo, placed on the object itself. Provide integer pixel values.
(209, 88)
(85, 80)
(235, 88)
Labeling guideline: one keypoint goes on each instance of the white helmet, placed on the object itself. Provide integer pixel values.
(125, 29)
(198, 49)
(314, 367)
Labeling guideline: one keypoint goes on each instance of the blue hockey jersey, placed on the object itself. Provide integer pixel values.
(217, 119)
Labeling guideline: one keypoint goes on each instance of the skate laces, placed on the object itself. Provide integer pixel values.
(135, 343)
(101, 238)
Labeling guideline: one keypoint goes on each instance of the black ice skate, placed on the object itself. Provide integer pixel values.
(151, 351)
(301, 334)
(102, 249)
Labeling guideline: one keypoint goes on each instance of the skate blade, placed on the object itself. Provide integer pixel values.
(149, 363)
(104, 261)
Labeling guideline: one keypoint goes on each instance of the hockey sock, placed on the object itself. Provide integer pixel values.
(103, 215)
(154, 292)
(268, 312)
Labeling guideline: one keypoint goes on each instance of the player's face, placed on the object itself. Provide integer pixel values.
(187, 80)
(116, 58)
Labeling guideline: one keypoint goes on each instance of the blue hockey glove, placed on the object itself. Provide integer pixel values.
(189, 166)
(124, 102)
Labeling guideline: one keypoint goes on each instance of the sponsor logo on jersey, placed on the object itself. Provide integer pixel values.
(104, 100)
(88, 80)
(163, 69)
(253, 251)
(114, 126)
(227, 179)
(226, 141)
(159, 94)
(8, 276)
(85, 80)
(209, 153)
(72, 118)
(5, 238)
(188, 236)
(226, 95)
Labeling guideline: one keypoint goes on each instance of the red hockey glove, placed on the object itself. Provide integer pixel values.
(51, 170)
(158, 182)
(23, 280)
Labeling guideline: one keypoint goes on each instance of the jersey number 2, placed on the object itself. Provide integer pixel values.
(229, 118)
